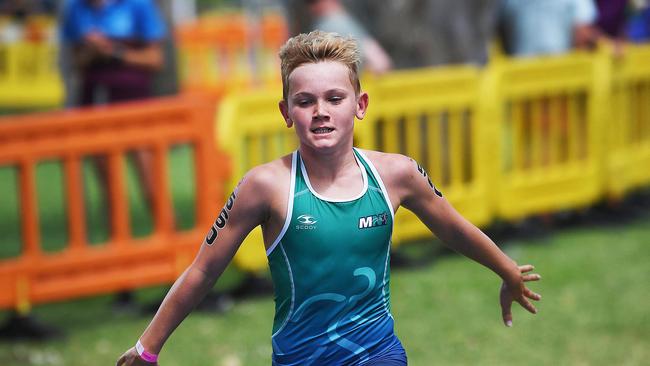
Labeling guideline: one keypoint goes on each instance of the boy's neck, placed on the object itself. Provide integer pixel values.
(328, 167)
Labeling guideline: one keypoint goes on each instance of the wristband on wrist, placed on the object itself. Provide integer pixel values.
(149, 357)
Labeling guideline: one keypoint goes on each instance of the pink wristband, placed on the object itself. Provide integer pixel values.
(149, 357)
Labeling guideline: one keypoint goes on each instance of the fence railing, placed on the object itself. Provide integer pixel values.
(520, 137)
(250, 128)
(216, 53)
(124, 261)
(432, 115)
(628, 122)
(545, 118)
(29, 75)
(230, 52)
(517, 138)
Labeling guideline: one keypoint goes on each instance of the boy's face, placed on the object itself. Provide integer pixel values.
(321, 104)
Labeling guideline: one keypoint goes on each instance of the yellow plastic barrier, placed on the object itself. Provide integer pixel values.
(252, 130)
(545, 127)
(628, 124)
(519, 138)
(406, 108)
(432, 115)
(29, 76)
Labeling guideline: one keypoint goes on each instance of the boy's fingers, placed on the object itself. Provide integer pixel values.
(506, 306)
(527, 305)
(506, 313)
(526, 268)
(531, 277)
(532, 295)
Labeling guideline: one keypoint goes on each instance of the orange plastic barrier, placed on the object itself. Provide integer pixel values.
(230, 51)
(124, 262)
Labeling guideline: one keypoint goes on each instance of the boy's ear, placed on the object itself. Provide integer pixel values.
(362, 105)
(284, 109)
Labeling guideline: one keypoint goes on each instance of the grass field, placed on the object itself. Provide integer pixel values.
(594, 312)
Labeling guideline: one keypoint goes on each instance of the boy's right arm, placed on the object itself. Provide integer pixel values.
(246, 208)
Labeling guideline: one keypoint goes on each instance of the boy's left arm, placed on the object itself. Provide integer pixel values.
(417, 193)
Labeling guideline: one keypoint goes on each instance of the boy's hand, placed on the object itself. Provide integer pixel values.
(517, 291)
(131, 358)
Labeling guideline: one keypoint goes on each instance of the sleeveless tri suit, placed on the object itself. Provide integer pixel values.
(330, 267)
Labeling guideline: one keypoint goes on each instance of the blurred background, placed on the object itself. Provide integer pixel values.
(125, 125)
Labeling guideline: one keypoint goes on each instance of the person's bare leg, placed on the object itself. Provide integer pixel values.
(101, 169)
(143, 165)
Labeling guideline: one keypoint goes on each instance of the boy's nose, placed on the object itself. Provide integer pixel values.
(320, 110)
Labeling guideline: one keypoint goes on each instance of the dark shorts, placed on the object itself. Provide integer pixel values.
(394, 356)
(119, 83)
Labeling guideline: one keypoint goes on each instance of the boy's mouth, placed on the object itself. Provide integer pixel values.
(322, 130)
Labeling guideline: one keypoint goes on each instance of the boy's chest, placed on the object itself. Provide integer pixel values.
(318, 229)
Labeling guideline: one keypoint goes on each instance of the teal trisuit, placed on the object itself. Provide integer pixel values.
(330, 267)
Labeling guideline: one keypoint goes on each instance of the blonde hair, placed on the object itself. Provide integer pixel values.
(319, 46)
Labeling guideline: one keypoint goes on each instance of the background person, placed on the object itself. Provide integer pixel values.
(611, 22)
(331, 16)
(532, 27)
(638, 27)
(116, 48)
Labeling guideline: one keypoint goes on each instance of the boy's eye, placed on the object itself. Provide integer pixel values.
(335, 100)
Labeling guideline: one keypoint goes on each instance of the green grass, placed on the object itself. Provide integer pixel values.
(594, 312)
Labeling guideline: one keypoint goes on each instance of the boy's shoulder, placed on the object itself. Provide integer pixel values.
(270, 178)
(389, 164)
(398, 172)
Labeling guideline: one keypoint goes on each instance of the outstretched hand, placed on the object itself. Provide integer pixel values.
(131, 358)
(517, 291)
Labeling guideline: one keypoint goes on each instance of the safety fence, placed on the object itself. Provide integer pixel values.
(124, 261)
(548, 116)
(518, 138)
(250, 129)
(29, 75)
(225, 52)
(216, 53)
(432, 115)
(628, 123)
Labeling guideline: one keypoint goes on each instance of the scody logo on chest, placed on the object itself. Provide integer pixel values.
(306, 222)
(373, 220)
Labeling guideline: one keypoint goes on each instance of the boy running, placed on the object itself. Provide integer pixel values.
(326, 212)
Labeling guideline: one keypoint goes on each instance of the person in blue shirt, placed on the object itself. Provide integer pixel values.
(116, 48)
(116, 45)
